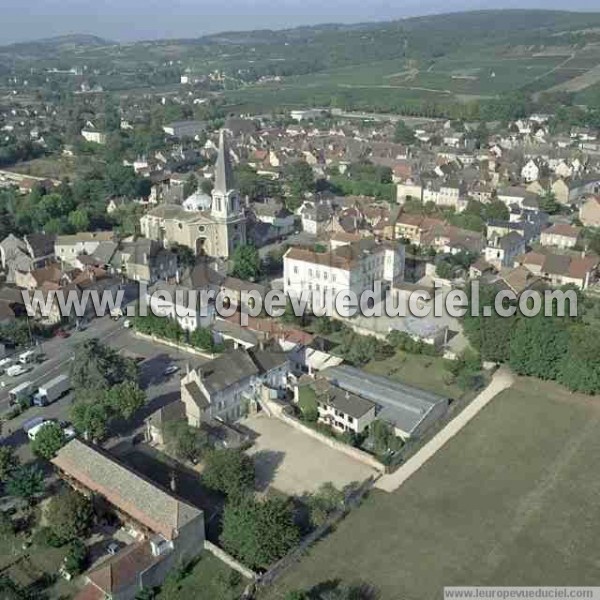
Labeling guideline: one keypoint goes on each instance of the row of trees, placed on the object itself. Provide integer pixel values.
(106, 387)
(564, 349)
(169, 329)
(258, 532)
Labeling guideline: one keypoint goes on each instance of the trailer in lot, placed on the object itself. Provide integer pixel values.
(22, 392)
(52, 390)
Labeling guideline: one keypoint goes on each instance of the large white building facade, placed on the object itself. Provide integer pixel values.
(353, 267)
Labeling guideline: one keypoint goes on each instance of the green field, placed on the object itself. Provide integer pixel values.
(208, 579)
(426, 372)
(510, 501)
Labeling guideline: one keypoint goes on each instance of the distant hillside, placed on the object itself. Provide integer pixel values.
(428, 61)
(54, 45)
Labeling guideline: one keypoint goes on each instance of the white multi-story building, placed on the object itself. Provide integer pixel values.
(445, 194)
(353, 267)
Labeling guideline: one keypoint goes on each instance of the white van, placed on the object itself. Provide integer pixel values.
(32, 433)
(27, 357)
(4, 364)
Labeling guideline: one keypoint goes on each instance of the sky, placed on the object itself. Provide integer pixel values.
(131, 20)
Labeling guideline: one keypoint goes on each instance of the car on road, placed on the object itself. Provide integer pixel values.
(127, 323)
(170, 370)
(5, 363)
(61, 333)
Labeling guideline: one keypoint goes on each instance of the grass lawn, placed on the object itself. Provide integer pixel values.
(425, 372)
(27, 566)
(209, 579)
(512, 500)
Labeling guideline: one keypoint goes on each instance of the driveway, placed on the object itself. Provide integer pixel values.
(295, 463)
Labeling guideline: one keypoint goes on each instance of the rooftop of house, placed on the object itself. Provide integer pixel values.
(238, 365)
(519, 279)
(123, 570)
(128, 491)
(346, 402)
(403, 405)
(563, 229)
(343, 257)
(85, 236)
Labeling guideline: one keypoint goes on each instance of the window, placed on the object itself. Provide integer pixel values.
(325, 275)
(201, 228)
(350, 420)
(295, 270)
(310, 272)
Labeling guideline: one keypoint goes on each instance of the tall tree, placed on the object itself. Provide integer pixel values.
(229, 471)
(8, 462)
(125, 399)
(25, 482)
(69, 515)
(538, 345)
(403, 134)
(48, 441)
(99, 367)
(580, 365)
(246, 262)
(258, 533)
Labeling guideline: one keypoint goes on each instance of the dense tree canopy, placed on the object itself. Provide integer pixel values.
(258, 532)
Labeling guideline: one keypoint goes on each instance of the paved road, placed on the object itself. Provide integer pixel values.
(501, 380)
(160, 390)
(59, 353)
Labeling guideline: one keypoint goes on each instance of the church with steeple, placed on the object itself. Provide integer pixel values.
(211, 226)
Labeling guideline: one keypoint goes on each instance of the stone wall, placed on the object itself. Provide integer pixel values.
(184, 347)
(229, 560)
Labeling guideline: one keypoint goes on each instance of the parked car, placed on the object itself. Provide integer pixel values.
(170, 370)
(113, 548)
(16, 370)
(69, 432)
(61, 333)
(5, 363)
(127, 323)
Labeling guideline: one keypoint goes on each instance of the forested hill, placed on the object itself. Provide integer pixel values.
(427, 62)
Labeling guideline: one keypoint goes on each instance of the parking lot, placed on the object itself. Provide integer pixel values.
(295, 463)
(59, 353)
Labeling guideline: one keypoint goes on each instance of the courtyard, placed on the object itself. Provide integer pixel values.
(295, 463)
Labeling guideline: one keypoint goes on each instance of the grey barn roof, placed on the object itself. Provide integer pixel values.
(403, 405)
(128, 491)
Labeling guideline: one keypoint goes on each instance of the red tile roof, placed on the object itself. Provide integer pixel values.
(563, 229)
(123, 569)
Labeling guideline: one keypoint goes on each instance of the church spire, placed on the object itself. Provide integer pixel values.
(224, 173)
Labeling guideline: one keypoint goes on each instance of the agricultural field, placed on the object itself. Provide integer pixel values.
(450, 78)
(509, 501)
